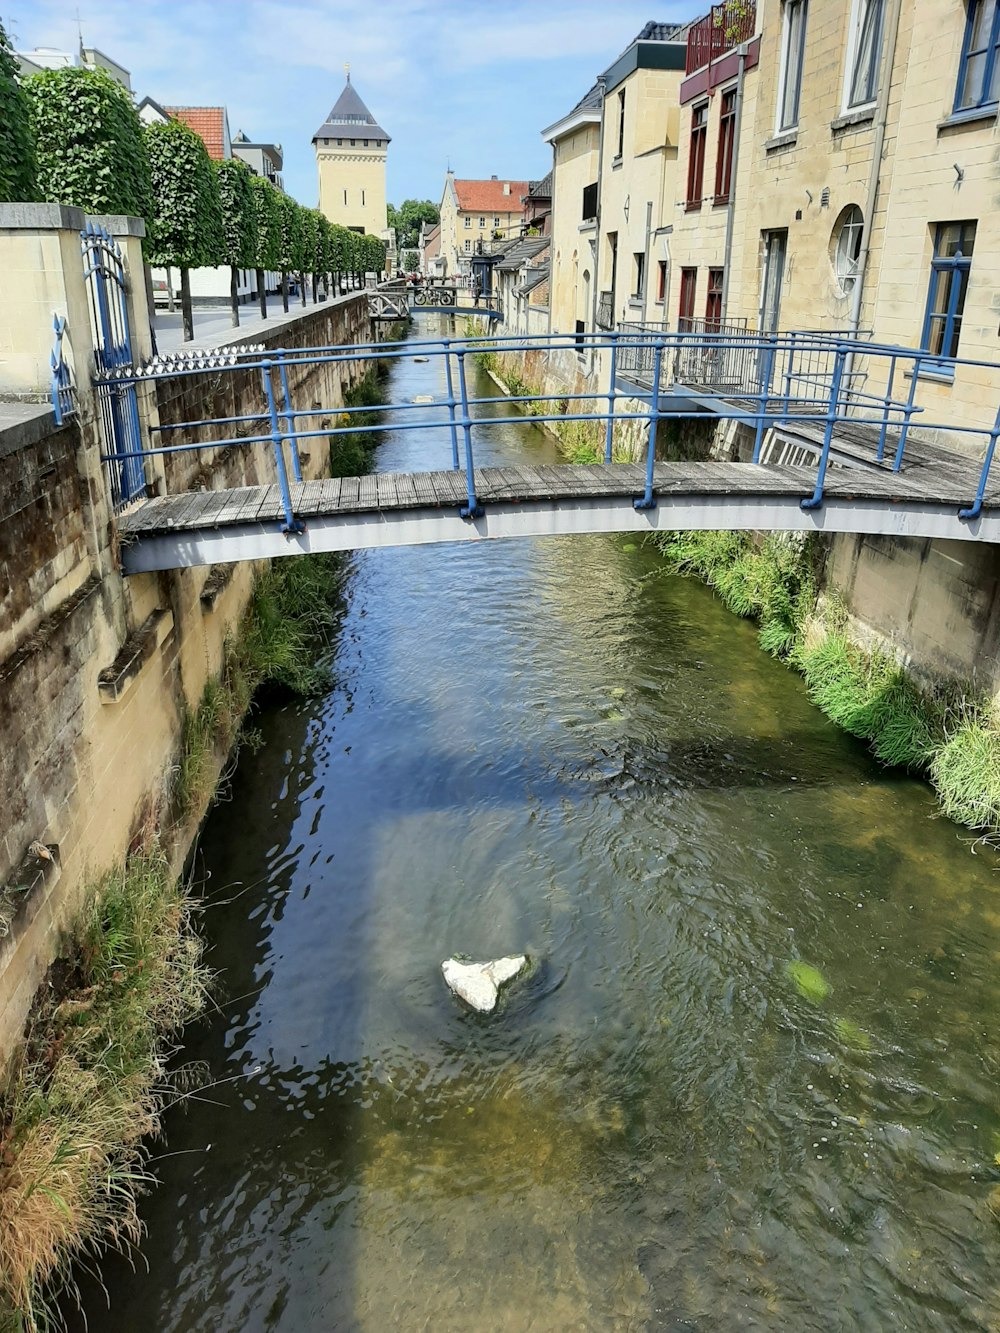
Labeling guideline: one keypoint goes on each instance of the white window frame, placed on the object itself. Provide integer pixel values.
(853, 226)
(858, 10)
(467, 222)
(468, 245)
(786, 37)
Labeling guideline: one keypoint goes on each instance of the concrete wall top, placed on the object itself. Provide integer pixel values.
(41, 217)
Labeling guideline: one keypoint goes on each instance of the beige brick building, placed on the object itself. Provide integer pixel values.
(473, 212)
(351, 150)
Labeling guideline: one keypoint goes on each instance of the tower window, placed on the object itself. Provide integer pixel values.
(345, 197)
(362, 198)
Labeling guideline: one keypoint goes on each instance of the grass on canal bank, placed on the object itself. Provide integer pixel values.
(351, 455)
(948, 735)
(85, 1092)
(87, 1088)
(292, 610)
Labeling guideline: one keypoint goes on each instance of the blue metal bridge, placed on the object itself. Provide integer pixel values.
(837, 441)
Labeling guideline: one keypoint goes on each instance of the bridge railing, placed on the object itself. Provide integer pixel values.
(762, 380)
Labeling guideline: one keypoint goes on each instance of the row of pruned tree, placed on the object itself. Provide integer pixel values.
(73, 136)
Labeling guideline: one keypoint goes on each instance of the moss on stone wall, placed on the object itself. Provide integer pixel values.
(949, 735)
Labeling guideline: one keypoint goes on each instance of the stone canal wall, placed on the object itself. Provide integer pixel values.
(98, 672)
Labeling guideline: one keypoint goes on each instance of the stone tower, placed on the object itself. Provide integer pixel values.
(351, 149)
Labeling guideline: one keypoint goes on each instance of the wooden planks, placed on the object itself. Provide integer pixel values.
(950, 482)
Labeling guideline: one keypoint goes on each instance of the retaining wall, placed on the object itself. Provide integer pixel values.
(96, 672)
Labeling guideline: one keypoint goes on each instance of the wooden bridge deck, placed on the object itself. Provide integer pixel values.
(408, 508)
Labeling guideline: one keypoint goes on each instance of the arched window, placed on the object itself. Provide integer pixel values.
(846, 243)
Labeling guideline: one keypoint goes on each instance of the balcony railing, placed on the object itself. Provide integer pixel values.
(606, 311)
(722, 29)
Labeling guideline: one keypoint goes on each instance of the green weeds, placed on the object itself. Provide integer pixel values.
(89, 1084)
(950, 738)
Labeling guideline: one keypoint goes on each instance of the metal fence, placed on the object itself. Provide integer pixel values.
(747, 376)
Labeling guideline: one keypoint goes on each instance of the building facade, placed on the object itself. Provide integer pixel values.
(476, 212)
(351, 150)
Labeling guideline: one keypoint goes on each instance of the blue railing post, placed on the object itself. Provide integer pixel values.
(647, 501)
(977, 505)
(765, 389)
(473, 509)
(907, 414)
(887, 404)
(609, 433)
(451, 404)
(290, 430)
(789, 370)
(832, 415)
(291, 523)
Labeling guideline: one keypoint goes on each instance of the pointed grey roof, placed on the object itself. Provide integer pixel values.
(350, 118)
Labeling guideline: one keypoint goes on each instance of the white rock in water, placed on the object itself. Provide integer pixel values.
(478, 984)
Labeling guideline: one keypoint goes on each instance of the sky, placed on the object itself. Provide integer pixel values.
(466, 82)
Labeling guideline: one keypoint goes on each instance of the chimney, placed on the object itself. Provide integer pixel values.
(506, 186)
(493, 178)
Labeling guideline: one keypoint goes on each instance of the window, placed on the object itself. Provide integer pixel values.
(362, 198)
(467, 222)
(661, 280)
(365, 142)
(950, 267)
(621, 124)
(578, 340)
(696, 156)
(345, 198)
(713, 302)
(793, 43)
(353, 143)
(727, 141)
(689, 286)
(589, 202)
(847, 235)
(340, 143)
(864, 53)
(482, 222)
(468, 245)
(979, 73)
(638, 275)
(613, 257)
(496, 220)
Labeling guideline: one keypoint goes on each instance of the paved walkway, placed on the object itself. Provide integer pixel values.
(213, 324)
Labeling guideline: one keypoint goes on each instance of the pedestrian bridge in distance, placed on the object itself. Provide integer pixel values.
(865, 461)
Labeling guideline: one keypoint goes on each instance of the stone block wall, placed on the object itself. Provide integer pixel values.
(96, 671)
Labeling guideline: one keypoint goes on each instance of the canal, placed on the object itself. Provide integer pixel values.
(752, 1078)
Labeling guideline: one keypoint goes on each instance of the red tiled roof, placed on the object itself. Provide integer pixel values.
(208, 122)
(489, 197)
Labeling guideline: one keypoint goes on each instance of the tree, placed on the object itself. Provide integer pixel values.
(411, 261)
(186, 226)
(289, 237)
(265, 200)
(239, 223)
(17, 144)
(308, 240)
(373, 253)
(89, 142)
(408, 218)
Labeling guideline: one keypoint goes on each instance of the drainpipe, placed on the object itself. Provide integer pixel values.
(595, 294)
(875, 175)
(552, 239)
(731, 206)
(645, 262)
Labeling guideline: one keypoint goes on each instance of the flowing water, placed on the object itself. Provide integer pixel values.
(548, 746)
